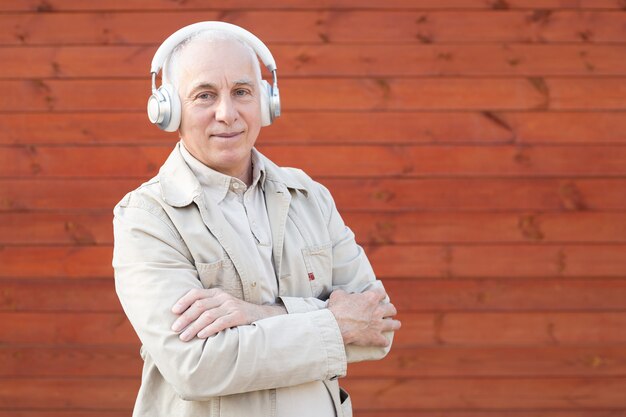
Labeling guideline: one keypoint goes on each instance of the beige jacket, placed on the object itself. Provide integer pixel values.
(168, 241)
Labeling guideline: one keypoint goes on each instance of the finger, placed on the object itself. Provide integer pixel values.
(380, 293)
(391, 325)
(386, 310)
(191, 297)
(337, 293)
(187, 300)
(222, 323)
(379, 341)
(206, 319)
(195, 311)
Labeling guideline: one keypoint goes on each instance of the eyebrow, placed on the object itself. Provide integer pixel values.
(211, 86)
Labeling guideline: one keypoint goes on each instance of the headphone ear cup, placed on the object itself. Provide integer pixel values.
(164, 108)
(172, 123)
(266, 97)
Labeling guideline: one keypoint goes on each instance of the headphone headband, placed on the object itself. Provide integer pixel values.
(180, 35)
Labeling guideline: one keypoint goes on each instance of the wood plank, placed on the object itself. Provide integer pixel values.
(75, 229)
(488, 393)
(65, 194)
(373, 228)
(132, 128)
(497, 261)
(163, 5)
(96, 362)
(125, 412)
(501, 161)
(44, 262)
(357, 413)
(492, 393)
(337, 60)
(88, 329)
(437, 362)
(108, 394)
(454, 93)
(422, 295)
(61, 296)
(423, 362)
(389, 261)
(328, 127)
(477, 329)
(493, 295)
(518, 329)
(331, 161)
(463, 194)
(467, 194)
(485, 413)
(402, 228)
(543, 26)
(561, 127)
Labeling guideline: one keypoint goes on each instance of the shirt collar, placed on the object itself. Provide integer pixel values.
(218, 184)
(179, 185)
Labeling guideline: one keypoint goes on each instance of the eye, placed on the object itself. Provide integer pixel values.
(241, 92)
(204, 96)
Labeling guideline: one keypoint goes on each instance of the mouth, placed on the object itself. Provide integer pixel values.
(227, 135)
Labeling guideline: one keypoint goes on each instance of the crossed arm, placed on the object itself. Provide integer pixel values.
(362, 317)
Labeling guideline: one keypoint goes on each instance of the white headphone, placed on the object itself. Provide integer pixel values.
(164, 109)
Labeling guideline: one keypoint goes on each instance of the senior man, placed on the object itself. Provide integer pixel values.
(245, 287)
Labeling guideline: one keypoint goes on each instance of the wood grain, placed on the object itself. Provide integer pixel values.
(544, 361)
(373, 161)
(465, 329)
(327, 127)
(422, 295)
(366, 94)
(331, 26)
(491, 393)
(462, 194)
(422, 362)
(166, 5)
(337, 60)
(416, 261)
(108, 394)
(518, 261)
(374, 228)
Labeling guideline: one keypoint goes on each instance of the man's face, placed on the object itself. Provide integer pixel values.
(220, 98)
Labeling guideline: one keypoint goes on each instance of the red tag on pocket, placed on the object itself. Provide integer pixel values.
(311, 276)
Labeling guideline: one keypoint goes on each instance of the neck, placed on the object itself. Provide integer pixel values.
(245, 175)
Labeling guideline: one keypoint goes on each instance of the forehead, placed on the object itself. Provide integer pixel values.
(215, 60)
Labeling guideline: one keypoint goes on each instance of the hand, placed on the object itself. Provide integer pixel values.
(363, 317)
(205, 312)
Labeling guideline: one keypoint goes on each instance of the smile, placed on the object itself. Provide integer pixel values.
(227, 135)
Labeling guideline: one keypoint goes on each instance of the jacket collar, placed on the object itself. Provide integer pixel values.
(179, 185)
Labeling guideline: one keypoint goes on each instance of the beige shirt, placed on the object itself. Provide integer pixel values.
(244, 209)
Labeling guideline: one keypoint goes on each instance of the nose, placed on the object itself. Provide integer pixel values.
(225, 110)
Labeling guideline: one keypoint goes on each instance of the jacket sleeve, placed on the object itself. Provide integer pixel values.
(352, 271)
(153, 270)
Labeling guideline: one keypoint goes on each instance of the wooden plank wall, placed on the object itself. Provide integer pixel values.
(476, 147)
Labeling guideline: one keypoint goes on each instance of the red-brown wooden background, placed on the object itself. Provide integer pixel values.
(476, 147)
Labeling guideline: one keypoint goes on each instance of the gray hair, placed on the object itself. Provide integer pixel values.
(171, 71)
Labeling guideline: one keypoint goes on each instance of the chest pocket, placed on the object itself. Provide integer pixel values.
(318, 261)
(221, 274)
